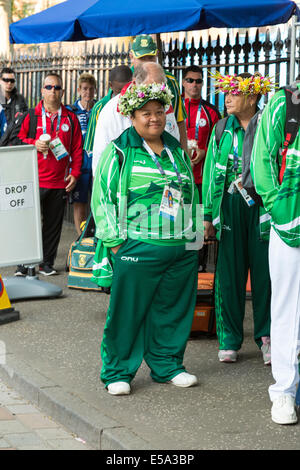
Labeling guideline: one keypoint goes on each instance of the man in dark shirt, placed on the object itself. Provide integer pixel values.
(12, 101)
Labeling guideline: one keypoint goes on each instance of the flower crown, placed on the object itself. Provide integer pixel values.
(254, 85)
(137, 95)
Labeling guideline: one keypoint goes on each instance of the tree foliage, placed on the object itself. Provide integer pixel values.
(21, 9)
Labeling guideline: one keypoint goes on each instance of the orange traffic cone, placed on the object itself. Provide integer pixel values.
(7, 313)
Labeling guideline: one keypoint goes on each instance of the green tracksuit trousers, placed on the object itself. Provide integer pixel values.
(241, 248)
(151, 310)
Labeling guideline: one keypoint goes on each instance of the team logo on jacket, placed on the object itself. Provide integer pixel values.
(202, 122)
(132, 259)
(65, 127)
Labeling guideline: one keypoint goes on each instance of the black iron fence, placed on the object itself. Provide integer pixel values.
(268, 52)
(264, 52)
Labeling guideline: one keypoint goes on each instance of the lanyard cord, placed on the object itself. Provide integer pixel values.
(235, 153)
(44, 120)
(198, 121)
(157, 162)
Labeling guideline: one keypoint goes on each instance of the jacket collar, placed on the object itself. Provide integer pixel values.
(64, 111)
(233, 123)
(130, 138)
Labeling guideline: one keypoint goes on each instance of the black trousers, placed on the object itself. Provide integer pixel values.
(53, 202)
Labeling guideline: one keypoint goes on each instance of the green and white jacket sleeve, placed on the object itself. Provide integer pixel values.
(104, 201)
(209, 178)
(268, 139)
(281, 201)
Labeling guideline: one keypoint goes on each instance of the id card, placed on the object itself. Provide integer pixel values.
(243, 192)
(58, 149)
(170, 203)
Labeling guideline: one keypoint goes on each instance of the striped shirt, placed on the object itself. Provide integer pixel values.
(90, 135)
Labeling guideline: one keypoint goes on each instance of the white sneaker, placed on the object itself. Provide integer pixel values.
(119, 388)
(227, 355)
(283, 410)
(184, 380)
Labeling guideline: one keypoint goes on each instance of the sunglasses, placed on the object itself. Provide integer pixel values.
(56, 87)
(9, 80)
(192, 80)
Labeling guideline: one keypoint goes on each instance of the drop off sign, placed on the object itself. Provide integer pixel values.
(16, 196)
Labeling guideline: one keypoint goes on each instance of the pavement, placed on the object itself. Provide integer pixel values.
(52, 358)
(24, 427)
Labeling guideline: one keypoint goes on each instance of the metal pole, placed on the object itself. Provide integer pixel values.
(159, 48)
(293, 50)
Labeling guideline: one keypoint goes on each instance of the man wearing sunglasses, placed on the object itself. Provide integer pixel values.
(201, 118)
(58, 141)
(12, 101)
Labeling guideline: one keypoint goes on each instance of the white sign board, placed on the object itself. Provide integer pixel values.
(20, 218)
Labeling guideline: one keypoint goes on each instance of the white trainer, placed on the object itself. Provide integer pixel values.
(184, 380)
(283, 410)
(119, 388)
(227, 355)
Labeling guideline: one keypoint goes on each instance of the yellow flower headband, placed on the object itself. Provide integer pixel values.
(254, 85)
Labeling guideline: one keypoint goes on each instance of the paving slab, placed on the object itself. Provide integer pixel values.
(32, 430)
(53, 358)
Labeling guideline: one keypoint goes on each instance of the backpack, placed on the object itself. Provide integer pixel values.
(292, 122)
(10, 136)
(80, 261)
(291, 129)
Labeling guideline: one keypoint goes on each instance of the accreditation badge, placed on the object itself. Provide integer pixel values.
(58, 149)
(248, 199)
(170, 203)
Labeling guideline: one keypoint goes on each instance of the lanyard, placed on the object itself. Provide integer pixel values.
(157, 162)
(44, 120)
(198, 121)
(235, 152)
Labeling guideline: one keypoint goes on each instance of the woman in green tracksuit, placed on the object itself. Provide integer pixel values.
(236, 222)
(144, 204)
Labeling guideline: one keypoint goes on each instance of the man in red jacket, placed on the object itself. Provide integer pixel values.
(58, 141)
(201, 118)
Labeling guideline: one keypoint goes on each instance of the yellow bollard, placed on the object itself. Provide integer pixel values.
(7, 313)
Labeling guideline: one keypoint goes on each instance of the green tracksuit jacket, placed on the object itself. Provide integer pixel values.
(281, 201)
(215, 172)
(111, 198)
